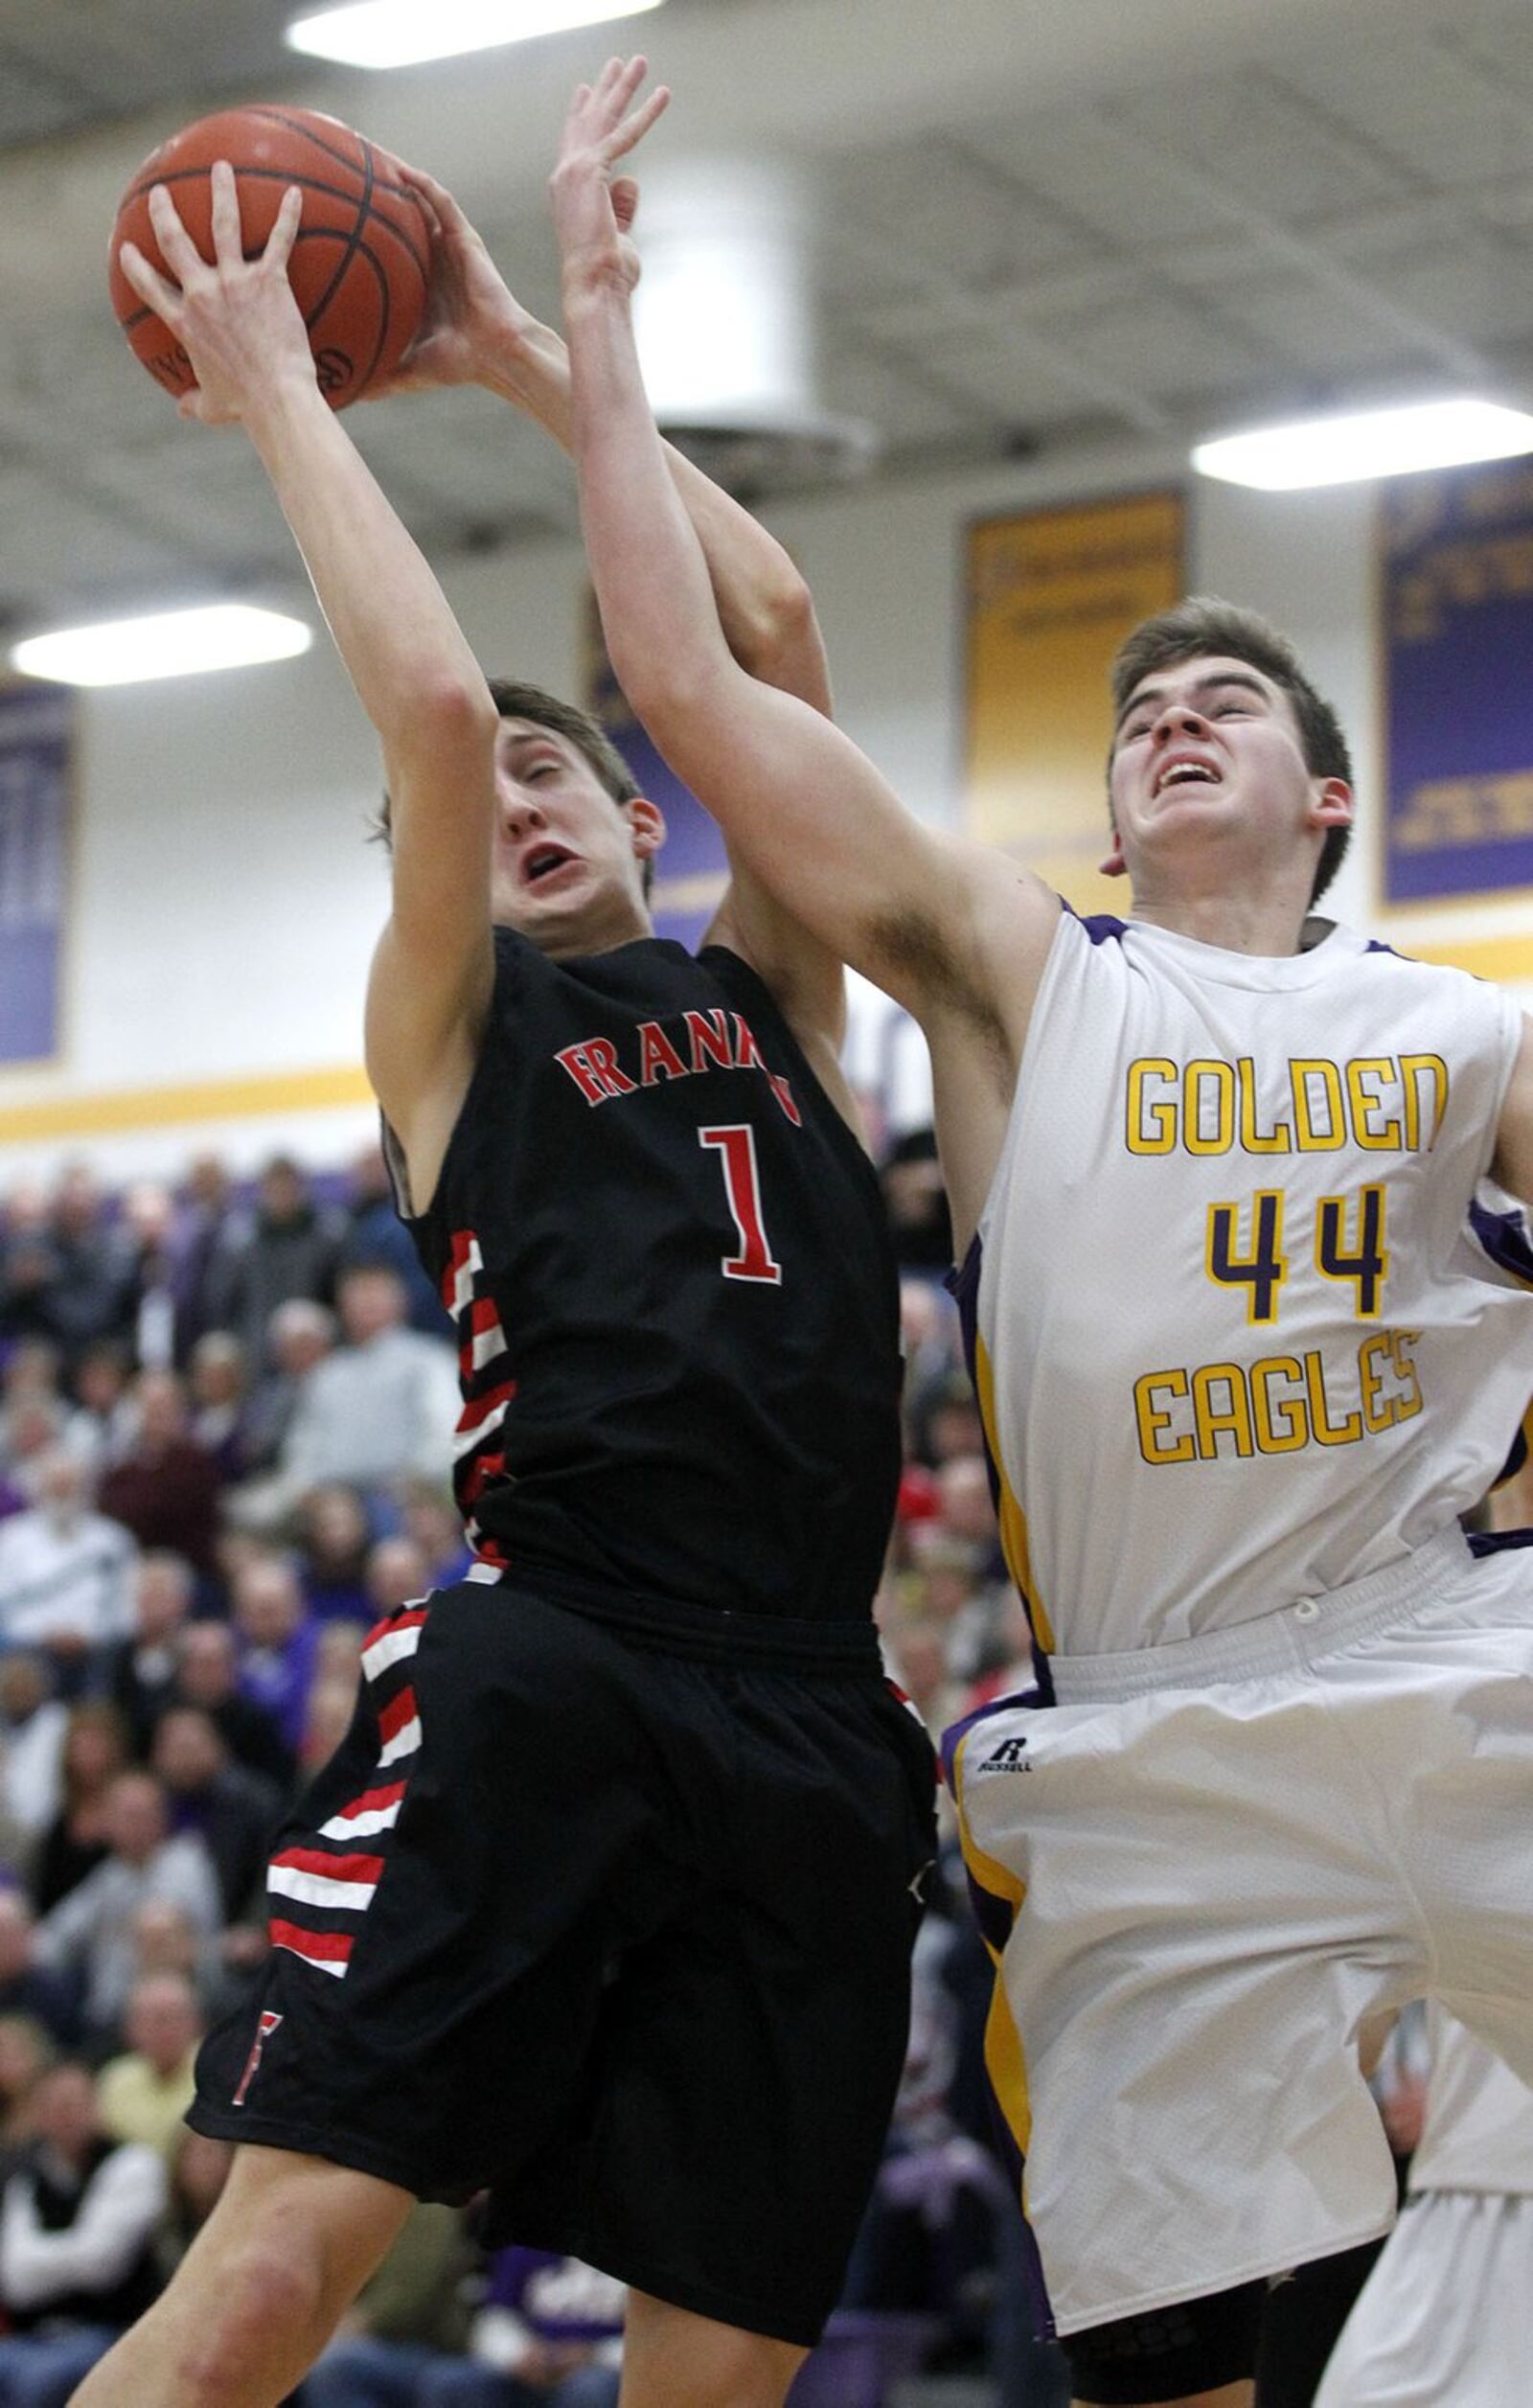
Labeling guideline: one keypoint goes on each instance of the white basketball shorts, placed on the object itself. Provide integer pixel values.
(1202, 1871)
(1445, 2320)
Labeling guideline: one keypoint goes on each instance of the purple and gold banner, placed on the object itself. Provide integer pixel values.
(35, 731)
(1458, 620)
(691, 871)
(1050, 596)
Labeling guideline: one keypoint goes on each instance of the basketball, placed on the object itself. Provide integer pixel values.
(358, 267)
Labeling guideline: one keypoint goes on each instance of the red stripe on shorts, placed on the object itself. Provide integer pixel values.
(331, 1948)
(372, 1801)
(314, 1859)
(393, 1717)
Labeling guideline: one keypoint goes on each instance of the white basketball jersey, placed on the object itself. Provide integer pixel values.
(1234, 1336)
(1477, 2132)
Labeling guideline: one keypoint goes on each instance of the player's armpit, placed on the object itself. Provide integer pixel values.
(1512, 1163)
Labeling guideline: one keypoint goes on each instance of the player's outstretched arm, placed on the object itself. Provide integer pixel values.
(406, 655)
(801, 807)
(1512, 1166)
(476, 332)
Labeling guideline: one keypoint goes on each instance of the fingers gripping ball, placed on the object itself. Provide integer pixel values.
(358, 266)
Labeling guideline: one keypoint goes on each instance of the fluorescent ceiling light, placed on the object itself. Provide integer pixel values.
(172, 644)
(401, 32)
(1372, 443)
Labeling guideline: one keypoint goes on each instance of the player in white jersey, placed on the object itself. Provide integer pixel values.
(1241, 1368)
(1445, 2320)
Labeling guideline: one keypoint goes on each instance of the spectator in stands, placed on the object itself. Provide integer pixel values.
(299, 1335)
(27, 1381)
(952, 1427)
(375, 1234)
(28, 1988)
(33, 1723)
(165, 1486)
(231, 1811)
(102, 1423)
(163, 1940)
(78, 2217)
(408, 2322)
(382, 1406)
(917, 1204)
(26, 2048)
(549, 2332)
(139, 1674)
(928, 2241)
(145, 2093)
(39, 1429)
(953, 1594)
(289, 1246)
(218, 1381)
(66, 1571)
(430, 1517)
(91, 1930)
(90, 1296)
(397, 1574)
(208, 1675)
(332, 1704)
(95, 1750)
(206, 1204)
(29, 1267)
(276, 1637)
(199, 2168)
(145, 1253)
(966, 1509)
(333, 1536)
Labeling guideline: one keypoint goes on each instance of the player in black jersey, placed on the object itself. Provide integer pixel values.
(604, 1905)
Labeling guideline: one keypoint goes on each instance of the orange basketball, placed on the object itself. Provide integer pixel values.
(358, 266)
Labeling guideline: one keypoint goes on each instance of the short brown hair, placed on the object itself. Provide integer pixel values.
(1202, 626)
(577, 727)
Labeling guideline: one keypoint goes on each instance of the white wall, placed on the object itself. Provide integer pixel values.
(225, 899)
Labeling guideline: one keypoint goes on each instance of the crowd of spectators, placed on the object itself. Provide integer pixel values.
(224, 1420)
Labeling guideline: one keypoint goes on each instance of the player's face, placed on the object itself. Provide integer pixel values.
(568, 864)
(1211, 747)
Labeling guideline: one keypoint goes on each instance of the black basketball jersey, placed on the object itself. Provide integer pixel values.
(667, 1258)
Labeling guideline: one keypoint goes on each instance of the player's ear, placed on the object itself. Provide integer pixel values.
(648, 824)
(1113, 863)
(1333, 804)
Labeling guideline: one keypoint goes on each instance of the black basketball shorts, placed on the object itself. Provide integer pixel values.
(619, 1935)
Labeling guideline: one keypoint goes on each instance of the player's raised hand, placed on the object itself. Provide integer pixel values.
(236, 318)
(471, 313)
(593, 205)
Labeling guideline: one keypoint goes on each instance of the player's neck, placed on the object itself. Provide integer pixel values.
(1268, 926)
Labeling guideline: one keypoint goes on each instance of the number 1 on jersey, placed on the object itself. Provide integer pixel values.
(736, 1149)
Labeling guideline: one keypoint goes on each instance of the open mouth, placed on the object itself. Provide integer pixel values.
(1187, 774)
(544, 862)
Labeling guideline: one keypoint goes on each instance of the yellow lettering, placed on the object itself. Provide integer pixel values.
(1255, 1140)
(1199, 1079)
(1378, 1411)
(1151, 1125)
(1310, 1136)
(1401, 1343)
(1212, 1418)
(1153, 1419)
(1382, 1140)
(1339, 1433)
(1413, 1068)
(1282, 1423)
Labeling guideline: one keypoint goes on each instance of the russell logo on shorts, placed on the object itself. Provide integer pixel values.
(1011, 1757)
(263, 2031)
